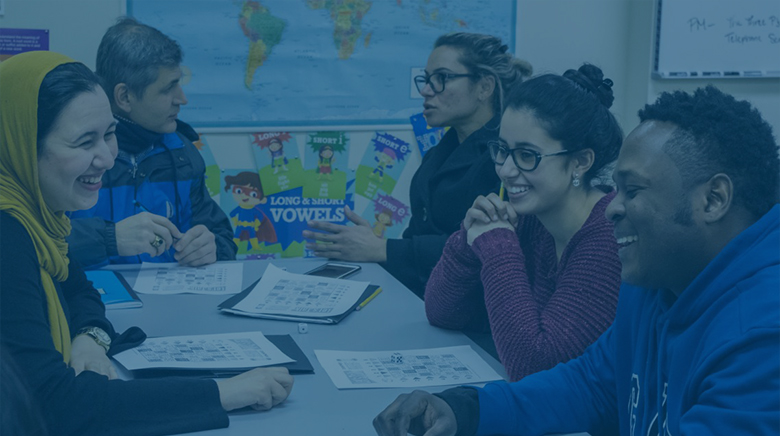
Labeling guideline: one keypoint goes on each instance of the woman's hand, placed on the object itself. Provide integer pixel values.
(87, 355)
(356, 243)
(488, 213)
(260, 389)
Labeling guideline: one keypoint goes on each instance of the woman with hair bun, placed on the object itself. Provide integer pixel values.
(541, 268)
(465, 80)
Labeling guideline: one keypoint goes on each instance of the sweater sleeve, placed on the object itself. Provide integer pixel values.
(454, 292)
(88, 403)
(577, 396)
(83, 300)
(92, 241)
(533, 334)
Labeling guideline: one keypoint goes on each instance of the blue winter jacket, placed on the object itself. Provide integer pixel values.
(705, 363)
(161, 174)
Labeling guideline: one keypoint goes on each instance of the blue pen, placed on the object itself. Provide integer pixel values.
(138, 204)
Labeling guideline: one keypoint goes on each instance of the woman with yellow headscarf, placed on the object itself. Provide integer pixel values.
(56, 142)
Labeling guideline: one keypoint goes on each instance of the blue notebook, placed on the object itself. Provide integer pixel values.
(113, 289)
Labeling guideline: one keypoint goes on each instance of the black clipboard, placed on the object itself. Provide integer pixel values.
(227, 307)
(286, 343)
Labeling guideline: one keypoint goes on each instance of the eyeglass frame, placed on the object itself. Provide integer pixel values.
(426, 80)
(511, 152)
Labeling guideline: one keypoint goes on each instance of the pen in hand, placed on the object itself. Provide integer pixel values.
(501, 192)
(143, 208)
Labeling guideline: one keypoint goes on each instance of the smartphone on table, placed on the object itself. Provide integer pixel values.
(334, 270)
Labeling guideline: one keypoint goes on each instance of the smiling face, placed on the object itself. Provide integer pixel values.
(459, 101)
(326, 152)
(158, 107)
(78, 149)
(542, 190)
(247, 197)
(655, 223)
(274, 145)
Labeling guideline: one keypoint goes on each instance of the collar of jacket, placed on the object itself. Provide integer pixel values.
(134, 138)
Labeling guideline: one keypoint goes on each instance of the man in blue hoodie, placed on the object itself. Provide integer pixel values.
(695, 346)
(153, 204)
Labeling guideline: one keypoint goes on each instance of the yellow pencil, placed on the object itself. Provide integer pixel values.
(501, 192)
(370, 297)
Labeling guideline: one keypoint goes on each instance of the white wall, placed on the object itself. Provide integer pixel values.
(554, 35)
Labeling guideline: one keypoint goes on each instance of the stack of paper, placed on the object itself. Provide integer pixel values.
(229, 351)
(296, 297)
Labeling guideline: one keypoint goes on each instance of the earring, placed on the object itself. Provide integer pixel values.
(576, 180)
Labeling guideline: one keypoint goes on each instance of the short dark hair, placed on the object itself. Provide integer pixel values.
(487, 55)
(58, 88)
(718, 134)
(574, 109)
(132, 53)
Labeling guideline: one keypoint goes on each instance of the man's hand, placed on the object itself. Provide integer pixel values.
(356, 243)
(87, 355)
(417, 413)
(260, 388)
(488, 213)
(135, 234)
(197, 247)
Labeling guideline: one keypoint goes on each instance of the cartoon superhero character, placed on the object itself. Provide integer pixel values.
(384, 219)
(276, 148)
(249, 221)
(384, 159)
(325, 162)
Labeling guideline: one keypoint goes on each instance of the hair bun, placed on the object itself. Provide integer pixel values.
(591, 78)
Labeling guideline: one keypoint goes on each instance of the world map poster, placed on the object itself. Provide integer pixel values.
(311, 62)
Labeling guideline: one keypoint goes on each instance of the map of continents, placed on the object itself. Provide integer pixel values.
(256, 63)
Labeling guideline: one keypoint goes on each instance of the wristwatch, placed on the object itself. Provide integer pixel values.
(98, 335)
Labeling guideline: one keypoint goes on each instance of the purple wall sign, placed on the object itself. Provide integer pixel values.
(15, 41)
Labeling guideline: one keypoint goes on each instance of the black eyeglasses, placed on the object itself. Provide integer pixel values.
(525, 159)
(437, 81)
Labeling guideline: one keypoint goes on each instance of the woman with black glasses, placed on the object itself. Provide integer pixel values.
(541, 267)
(465, 79)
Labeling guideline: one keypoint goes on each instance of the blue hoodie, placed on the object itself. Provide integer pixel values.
(707, 362)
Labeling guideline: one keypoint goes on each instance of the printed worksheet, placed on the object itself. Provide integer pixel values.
(283, 293)
(221, 351)
(405, 368)
(170, 278)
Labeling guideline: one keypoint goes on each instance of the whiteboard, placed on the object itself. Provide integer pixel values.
(717, 39)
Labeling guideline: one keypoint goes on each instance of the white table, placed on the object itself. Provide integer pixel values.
(395, 319)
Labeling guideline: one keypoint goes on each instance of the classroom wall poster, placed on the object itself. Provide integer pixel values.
(212, 170)
(387, 215)
(326, 165)
(277, 160)
(271, 226)
(245, 204)
(427, 137)
(15, 41)
(382, 164)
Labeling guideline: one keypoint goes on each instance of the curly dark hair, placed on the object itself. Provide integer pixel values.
(718, 134)
(574, 109)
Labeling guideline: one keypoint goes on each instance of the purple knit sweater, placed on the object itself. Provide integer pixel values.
(541, 311)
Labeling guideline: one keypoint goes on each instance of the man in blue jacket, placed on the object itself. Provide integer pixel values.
(695, 346)
(153, 203)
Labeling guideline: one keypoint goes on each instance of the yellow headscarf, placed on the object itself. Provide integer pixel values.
(20, 192)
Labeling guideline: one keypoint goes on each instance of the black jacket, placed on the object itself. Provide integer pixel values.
(451, 176)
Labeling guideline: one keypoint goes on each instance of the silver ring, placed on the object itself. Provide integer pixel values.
(157, 242)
